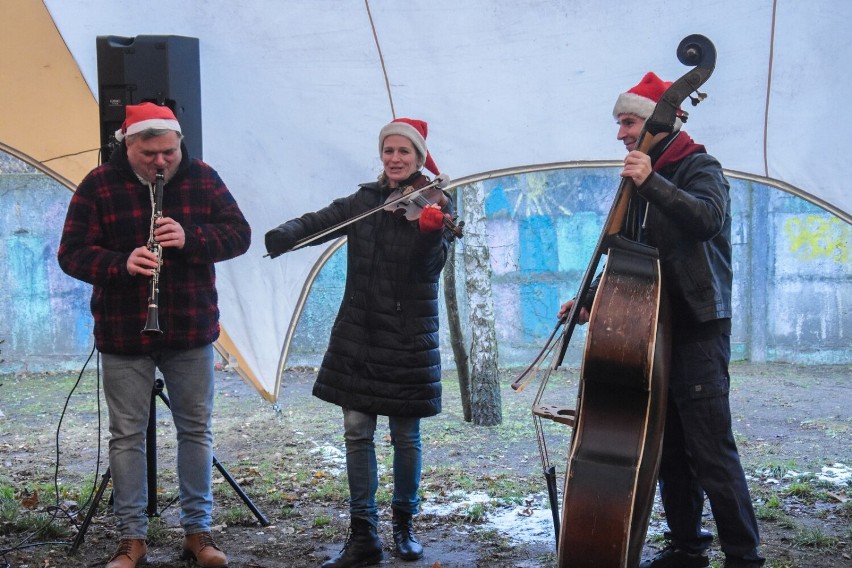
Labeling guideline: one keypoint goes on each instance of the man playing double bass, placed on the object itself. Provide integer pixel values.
(682, 208)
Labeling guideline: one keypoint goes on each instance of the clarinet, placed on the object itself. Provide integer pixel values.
(152, 325)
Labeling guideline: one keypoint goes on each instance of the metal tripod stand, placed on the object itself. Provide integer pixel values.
(151, 458)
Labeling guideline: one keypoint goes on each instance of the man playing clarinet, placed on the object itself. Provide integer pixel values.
(105, 242)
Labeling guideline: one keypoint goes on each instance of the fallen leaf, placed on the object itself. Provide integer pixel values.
(30, 501)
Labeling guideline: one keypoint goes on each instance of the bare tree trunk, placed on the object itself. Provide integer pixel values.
(456, 332)
(486, 406)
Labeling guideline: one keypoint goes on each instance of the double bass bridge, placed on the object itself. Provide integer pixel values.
(560, 414)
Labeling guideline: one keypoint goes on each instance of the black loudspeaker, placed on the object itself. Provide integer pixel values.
(148, 68)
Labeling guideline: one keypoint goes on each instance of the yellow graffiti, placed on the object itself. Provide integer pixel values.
(814, 237)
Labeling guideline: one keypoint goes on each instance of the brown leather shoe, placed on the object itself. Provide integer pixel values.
(203, 550)
(130, 551)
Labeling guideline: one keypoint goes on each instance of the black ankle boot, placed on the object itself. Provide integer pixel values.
(405, 541)
(362, 548)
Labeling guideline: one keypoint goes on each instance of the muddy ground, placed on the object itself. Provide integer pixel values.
(483, 494)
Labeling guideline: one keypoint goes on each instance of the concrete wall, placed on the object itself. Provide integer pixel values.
(792, 270)
(793, 299)
(45, 322)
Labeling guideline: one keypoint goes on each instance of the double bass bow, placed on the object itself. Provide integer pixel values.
(620, 413)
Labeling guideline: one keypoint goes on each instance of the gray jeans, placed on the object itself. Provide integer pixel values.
(128, 387)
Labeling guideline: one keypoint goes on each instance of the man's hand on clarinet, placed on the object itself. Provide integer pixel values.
(169, 233)
(141, 262)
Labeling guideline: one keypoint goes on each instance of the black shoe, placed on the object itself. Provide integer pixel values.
(405, 541)
(362, 548)
(671, 557)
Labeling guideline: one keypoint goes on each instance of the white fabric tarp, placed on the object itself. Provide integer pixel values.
(294, 94)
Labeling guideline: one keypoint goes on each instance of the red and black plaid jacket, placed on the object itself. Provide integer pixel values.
(110, 215)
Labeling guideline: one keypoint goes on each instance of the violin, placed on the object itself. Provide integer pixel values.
(407, 201)
(398, 203)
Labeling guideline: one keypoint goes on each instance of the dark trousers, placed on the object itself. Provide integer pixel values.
(700, 455)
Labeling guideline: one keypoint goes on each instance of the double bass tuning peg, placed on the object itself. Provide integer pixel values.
(699, 96)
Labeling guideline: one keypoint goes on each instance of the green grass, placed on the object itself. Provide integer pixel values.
(476, 512)
(831, 427)
(18, 519)
(801, 489)
(327, 488)
(274, 456)
(236, 516)
(777, 470)
(158, 532)
(813, 537)
(766, 512)
(9, 509)
(33, 508)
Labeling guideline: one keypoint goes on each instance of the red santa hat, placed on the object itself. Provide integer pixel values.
(144, 116)
(415, 130)
(643, 98)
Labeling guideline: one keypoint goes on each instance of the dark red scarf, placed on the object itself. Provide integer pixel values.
(678, 149)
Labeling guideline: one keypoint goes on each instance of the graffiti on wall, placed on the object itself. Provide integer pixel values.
(541, 232)
(45, 319)
(818, 237)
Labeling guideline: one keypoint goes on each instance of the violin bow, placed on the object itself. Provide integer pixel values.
(315, 237)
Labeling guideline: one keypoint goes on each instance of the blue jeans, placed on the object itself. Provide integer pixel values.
(362, 469)
(700, 455)
(128, 387)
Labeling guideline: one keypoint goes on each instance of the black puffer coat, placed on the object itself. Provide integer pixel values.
(383, 356)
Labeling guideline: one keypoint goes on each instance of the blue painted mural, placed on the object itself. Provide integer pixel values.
(793, 278)
(792, 292)
(45, 320)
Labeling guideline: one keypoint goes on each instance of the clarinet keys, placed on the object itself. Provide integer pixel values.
(152, 324)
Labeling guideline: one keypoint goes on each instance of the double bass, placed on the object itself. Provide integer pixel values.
(619, 417)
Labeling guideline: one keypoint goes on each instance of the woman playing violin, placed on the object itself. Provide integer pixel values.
(383, 357)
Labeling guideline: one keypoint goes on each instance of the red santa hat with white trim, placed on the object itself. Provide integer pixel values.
(144, 116)
(415, 130)
(643, 98)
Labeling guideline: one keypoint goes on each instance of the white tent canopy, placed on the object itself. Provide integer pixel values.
(294, 94)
